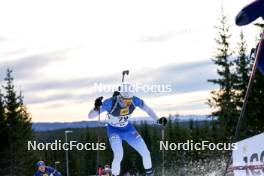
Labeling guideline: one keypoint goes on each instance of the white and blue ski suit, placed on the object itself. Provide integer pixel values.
(49, 171)
(119, 128)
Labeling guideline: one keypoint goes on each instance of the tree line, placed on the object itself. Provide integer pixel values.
(83, 162)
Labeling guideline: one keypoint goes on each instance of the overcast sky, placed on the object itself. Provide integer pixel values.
(58, 50)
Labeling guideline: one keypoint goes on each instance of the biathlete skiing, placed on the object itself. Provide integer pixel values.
(119, 109)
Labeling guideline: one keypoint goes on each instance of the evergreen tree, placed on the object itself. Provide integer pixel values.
(243, 65)
(19, 159)
(3, 137)
(222, 99)
(254, 121)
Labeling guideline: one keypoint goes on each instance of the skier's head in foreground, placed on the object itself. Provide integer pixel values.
(45, 170)
(119, 109)
(41, 166)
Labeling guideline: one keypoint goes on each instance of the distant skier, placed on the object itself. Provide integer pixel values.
(119, 109)
(44, 170)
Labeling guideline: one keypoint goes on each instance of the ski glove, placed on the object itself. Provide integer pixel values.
(98, 103)
(162, 121)
(116, 93)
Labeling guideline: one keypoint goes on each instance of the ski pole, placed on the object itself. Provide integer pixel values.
(163, 152)
(163, 122)
(125, 72)
(98, 141)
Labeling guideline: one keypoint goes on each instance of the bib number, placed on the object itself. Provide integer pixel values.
(118, 121)
(123, 119)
